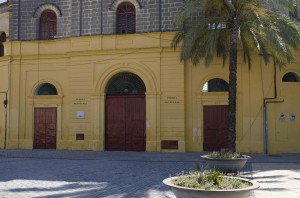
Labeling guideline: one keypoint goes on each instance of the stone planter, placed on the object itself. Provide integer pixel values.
(226, 165)
(184, 192)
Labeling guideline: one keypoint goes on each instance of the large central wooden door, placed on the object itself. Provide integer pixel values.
(215, 125)
(44, 128)
(125, 123)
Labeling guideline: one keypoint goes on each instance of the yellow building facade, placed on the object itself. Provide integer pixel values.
(81, 69)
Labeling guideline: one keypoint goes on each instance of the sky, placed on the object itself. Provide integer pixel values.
(1, 1)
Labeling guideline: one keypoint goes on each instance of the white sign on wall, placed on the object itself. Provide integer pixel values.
(293, 117)
(80, 115)
(281, 117)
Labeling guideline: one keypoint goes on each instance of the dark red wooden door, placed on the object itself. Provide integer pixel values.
(44, 128)
(125, 123)
(215, 125)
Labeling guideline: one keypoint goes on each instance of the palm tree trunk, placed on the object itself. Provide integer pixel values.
(232, 91)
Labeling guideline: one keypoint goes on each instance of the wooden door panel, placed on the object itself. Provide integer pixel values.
(51, 128)
(115, 137)
(125, 123)
(45, 128)
(51, 136)
(39, 129)
(215, 125)
(115, 124)
(135, 123)
(135, 136)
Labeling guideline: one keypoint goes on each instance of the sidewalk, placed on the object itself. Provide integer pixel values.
(52, 173)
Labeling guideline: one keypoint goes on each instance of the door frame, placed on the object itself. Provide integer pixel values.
(153, 99)
(206, 99)
(45, 102)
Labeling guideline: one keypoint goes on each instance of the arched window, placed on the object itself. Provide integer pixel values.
(48, 25)
(126, 18)
(290, 77)
(2, 40)
(126, 83)
(45, 89)
(215, 85)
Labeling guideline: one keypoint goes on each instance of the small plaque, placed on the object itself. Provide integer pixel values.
(293, 117)
(80, 114)
(281, 117)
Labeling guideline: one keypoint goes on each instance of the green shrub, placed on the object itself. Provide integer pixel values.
(209, 179)
(225, 154)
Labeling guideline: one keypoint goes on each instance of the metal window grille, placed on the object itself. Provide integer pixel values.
(217, 85)
(125, 83)
(290, 77)
(46, 89)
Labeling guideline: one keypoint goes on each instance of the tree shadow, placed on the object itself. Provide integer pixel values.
(84, 178)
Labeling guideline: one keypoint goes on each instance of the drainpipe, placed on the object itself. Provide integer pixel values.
(265, 110)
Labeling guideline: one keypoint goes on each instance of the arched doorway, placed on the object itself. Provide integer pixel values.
(125, 117)
(45, 120)
(215, 118)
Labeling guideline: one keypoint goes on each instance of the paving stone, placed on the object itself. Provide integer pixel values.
(51, 174)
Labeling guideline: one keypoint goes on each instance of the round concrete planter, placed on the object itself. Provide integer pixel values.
(184, 192)
(226, 165)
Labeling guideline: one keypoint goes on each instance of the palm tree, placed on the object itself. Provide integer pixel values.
(226, 24)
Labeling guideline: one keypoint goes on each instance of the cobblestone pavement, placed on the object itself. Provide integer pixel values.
(87, 174)
(40, 173)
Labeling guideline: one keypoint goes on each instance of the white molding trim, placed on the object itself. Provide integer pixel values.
(116, 3)
(47, 6)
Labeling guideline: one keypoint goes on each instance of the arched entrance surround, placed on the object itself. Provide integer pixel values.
(152, 103)
(125, 113)
(207, 103)
(45, 105)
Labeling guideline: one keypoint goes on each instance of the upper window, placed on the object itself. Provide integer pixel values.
(126, 18)
(215, 85)
(290, 77)
(45, 89)
(48, 25)
(2, 39)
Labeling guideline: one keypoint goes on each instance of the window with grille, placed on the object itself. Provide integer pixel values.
(126, 83)
(2, 40)
(215, 85)
(48, 25)
(126, 18)
(290, 77)
(46, 89)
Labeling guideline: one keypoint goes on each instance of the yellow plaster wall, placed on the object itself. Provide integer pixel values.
(80, 68)
(253, 86)
(4, 73)
(284, 134)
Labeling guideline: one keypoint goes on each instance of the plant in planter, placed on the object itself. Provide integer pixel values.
(209, 183)
(226, 161)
